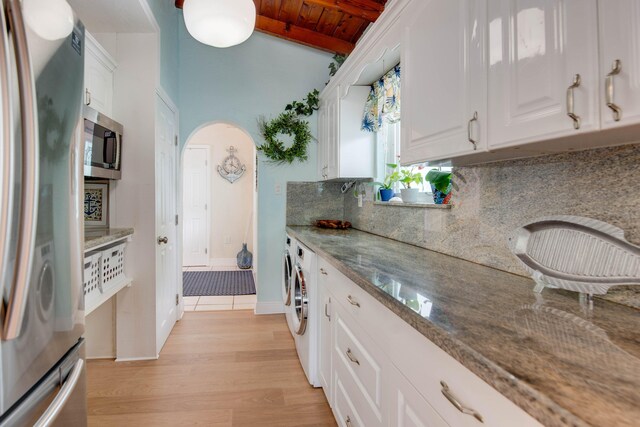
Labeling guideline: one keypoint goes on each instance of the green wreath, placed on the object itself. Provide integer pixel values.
(286, 123)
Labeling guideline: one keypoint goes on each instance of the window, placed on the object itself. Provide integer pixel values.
(388, 144)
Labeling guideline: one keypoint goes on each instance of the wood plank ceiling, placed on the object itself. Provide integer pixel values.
(330, 25)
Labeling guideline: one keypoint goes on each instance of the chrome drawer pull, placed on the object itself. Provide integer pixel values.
(348, 421)
(615, 70)
(326, 313)
(352, 357)
(352, 301)
(323, 271)
(570, 102)
(459, 406)
(471, 140)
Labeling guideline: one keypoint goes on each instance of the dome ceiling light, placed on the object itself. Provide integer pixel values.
(219, 23)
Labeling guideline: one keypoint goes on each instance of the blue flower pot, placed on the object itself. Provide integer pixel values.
(386, 194)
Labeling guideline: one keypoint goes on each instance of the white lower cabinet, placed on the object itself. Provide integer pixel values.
(385, 373)
(408, 407)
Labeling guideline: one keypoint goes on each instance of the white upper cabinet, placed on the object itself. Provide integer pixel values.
(543, 67)
(344, 151)
(99, 67)
(619, 25)
(444, 80)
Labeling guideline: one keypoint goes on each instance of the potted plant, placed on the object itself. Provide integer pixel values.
(440, 185)
(408, 177)
(386, 186)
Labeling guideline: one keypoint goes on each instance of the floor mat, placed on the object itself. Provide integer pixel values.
(213, 283)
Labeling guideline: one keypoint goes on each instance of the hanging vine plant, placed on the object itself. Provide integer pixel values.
(290, 123)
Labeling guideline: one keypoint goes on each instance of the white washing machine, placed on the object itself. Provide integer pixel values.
(288, 260)
(303, 301)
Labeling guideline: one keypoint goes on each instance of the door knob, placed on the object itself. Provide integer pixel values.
(164, 240)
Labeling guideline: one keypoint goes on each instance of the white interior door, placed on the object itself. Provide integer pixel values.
(196, 177)
(166, 248)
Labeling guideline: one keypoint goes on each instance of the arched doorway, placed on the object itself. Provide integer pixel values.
(219, 218)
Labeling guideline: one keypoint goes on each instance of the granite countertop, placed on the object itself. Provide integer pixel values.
(563, 364)
(95, 238)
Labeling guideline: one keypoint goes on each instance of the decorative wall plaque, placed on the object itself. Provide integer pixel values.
(231, 169)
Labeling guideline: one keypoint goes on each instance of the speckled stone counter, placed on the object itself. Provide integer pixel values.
(95, 238)
(560, 362)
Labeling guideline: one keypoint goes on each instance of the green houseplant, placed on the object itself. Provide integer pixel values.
(440, 185)
(386, 186)
(408, 177)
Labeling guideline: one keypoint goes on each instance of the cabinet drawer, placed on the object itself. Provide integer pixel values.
(355, 300)
(427, 365)
(361, 367)
(408, 407)
(343, 408)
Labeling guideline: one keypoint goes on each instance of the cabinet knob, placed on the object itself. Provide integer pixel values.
(164, 240)
(609, 90)
(348, 422)
(323, 271)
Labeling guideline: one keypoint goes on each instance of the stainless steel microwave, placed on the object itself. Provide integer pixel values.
(102, 145)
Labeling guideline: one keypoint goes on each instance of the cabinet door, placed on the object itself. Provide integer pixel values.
(98, 78)
(536, 49)
(408, 407)
(333, 131)
(619, 35)
(322, 140)
(325, 337)
(444, 81)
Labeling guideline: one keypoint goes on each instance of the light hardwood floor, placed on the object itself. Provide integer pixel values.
(226, 368)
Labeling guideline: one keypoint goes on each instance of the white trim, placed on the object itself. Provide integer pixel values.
(269, 307)
(223, 262)
(135, 359)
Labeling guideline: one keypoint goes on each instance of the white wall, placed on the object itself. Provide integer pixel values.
(134, 195)
(231, 205)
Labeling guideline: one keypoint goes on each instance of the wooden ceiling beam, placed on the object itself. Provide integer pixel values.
(302, 35)
(367, 13)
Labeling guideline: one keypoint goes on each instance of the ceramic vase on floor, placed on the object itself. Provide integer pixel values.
(244, 258)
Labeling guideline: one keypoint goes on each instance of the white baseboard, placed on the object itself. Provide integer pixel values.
(135, 359)
(223, 262)
(269, 307)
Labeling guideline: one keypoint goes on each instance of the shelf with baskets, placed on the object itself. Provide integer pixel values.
(104, 274)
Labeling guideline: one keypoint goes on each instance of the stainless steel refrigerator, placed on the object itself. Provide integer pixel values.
(42, 311)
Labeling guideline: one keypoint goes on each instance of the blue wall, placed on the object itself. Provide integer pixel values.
(167, 17)
(237, 85)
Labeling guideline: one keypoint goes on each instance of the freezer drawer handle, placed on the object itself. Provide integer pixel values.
(446, 391)
(62, 397)
(29, 175)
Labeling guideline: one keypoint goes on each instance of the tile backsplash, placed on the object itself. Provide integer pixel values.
(491, 201)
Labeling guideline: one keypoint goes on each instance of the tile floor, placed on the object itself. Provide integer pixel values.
(218, 303)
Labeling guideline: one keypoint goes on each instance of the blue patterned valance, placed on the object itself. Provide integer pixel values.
(383, 103)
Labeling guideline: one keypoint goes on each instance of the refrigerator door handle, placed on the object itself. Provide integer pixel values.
(6, 191)
(50, 415)
(29, 174)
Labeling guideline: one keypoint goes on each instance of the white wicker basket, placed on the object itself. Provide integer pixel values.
(103, 275)
(92, 277)
(113, 266)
